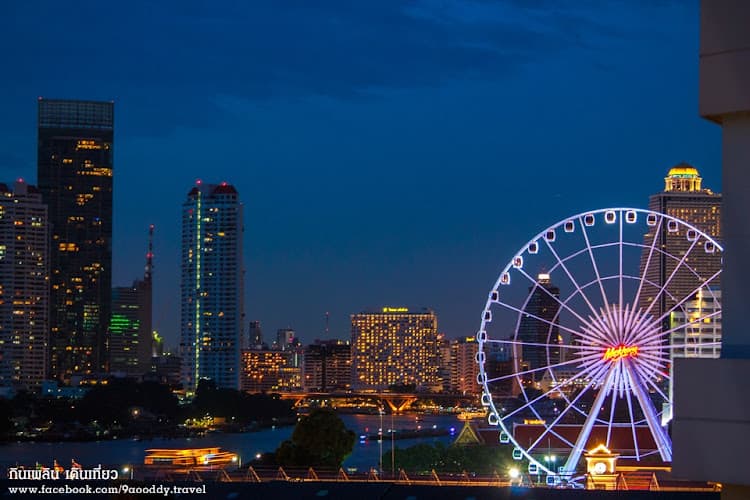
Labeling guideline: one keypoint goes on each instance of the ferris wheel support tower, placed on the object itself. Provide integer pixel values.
(711, 432)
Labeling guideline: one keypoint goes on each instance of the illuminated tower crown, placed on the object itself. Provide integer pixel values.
(683, 177)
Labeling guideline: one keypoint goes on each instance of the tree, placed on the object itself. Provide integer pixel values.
(481, 459)
(320, 439)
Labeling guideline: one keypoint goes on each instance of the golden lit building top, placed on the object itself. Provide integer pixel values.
(683, 177)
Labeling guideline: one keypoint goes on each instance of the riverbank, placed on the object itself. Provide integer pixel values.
(248, 445)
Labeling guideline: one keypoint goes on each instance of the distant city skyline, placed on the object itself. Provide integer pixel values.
(399, 155)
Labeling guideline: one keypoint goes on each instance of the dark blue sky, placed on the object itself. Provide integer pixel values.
(386, 152)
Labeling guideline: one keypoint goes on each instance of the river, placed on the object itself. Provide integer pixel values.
(366, 453)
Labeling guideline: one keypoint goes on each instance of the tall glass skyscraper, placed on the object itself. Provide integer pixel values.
(212, 312)
(542, 304)
(74, 159)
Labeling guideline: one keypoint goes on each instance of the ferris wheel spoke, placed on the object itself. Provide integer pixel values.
(654, 366)
(643, 329)
(657, 231)
(681, 346)
(538, 318)
(549, 428)
(663, 443)
(587, 371)
(564, 305)
(672, 275)
(651, 358)
(692, 322)
(620, 310)
(593, 261)
(575, 454)
(632, 415)
(689, 296)
(644, 376)
(612, 408)
(570, 277)
(548, 367)
(536, 344)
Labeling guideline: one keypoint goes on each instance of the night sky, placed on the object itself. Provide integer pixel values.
(387, 153)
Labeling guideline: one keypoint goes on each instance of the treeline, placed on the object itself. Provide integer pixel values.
(123, 407)
(479, 459)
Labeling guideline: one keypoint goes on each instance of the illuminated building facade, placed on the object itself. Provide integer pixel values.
(445, 366)
(684, 198)
(698, 339)
(395, 346)
(75, 178)
(464, 366)
(270, 371)
(211, 286)
(131, 338)
(543, 303)
(327, 366)
(24, 286)
(285, 339)
(130, 333)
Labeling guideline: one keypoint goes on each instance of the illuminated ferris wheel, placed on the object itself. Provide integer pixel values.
(579, 332)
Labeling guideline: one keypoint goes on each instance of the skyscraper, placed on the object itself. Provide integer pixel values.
(395, 346)
(74, 161)
(684, 198)
(24, 286)
(255, 335)
(285, 339)
(130, 326)
(212, 286)
(543, 304)
(464, 365)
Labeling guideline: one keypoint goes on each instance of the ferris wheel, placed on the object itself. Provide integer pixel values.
(580, 329)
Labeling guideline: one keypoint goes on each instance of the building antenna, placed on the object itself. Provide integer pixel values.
(150, 255)
(328, 317)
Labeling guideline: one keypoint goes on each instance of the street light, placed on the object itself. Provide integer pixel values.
(513, 472)
(380, 438)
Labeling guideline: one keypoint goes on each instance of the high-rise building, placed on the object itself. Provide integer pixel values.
(212, 286)
(327, 366)
(24, 286)
(543, 304)
(465, 367)
(684, 198)
(285, 339)
(395, 346)
(130, 332)
(697, 339)
(270, 371)
(255, 334)
(446, 364)
(75, 152)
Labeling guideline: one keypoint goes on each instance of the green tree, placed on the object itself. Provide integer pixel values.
(320, 439)
(481, 459)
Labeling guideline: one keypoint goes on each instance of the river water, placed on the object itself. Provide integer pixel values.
(366, 453)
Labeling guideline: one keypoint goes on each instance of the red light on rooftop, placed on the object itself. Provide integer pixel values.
(20, 179)
(224, 183)
(198, 182)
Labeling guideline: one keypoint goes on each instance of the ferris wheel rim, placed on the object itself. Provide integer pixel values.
(483, 377)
